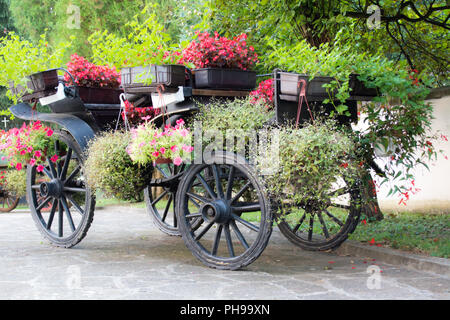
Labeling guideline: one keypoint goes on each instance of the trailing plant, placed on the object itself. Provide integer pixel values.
(137, 115)
(309, 162)
(14, 181)
(398, 116)
(31, 145)
(109, 168)
(87, 74)
(20, 58)
(149, 143)
(239, 118)
(214, 51)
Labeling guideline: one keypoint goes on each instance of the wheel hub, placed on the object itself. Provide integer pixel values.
(52, 188)
(217, 211)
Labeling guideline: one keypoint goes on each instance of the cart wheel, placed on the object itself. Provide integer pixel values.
(322, 226)
(62, 185)
(160, 197)
(230, 199)
(8, 201)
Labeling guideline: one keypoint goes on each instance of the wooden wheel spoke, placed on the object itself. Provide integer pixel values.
(193, 215)
(250, 207)
(52, 168)
(52, 214)
(204, 231)
(311, 226)
(74, 189)
(217, 180)
(239, 234)
(245, 223)
(297, 226)
(229, 241)
(339, 222)
(241, 192)
(60, 219)
(207, 187)
(198, 197)
(217, 240)
(67, 159)
(73, 174)
(230, 183)
(159, 197)
(74, 203)
(324, 226)
(68, 214)
(43, 203)
(166, 209)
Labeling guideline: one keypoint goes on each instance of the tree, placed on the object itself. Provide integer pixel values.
(416, 31)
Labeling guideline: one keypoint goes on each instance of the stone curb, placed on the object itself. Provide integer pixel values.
(436, 265)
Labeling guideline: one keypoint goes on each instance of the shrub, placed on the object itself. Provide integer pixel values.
(110, 169)
(309, 162)
(14, 181)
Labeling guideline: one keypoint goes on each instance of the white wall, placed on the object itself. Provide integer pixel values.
(434, 184)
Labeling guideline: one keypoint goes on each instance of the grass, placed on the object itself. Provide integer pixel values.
(427, 234)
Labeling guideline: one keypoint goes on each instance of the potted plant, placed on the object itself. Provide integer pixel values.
(109, 168)
(144, 57)
(222, 63)
(96, 84)
(28, 70)
(31, 145)
(154, 145)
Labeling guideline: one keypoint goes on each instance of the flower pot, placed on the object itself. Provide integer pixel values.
(154, 75)
(163, 161)
(215, 78)
(289, 85)
(37, 82)
(99, 95)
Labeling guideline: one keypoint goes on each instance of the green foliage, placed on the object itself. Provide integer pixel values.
(146, 43)
(19, 58)
(109, 168)
(16, 182)
(309, 162)
(221, 120)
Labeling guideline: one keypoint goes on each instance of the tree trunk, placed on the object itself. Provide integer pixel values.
(370, 208)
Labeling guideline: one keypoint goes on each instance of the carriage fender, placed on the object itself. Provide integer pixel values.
(78, 128)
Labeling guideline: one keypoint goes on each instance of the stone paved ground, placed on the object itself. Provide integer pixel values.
(125, 257)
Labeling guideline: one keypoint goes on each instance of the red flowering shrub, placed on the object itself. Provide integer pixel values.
(137, 115)
(264, 93)
(87, 74)
(30, 144)
(209, 51)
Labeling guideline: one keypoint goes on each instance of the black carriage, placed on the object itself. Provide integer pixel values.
(219, 207)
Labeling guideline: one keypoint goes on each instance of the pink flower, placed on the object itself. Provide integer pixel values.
(163, 150)
(49, 132)
(155, 154)
(19, 166)
(177, 161)
(38, 154)
(54, 158)
(32, 161)
(173, 148)
(40, 168)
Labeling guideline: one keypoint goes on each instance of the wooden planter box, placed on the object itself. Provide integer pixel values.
(215, 78)
(137, 79)
(315, 90)
(39, 84)
(99, 95)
